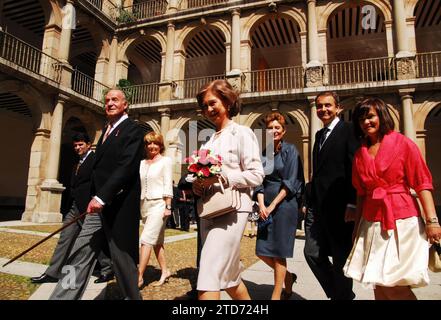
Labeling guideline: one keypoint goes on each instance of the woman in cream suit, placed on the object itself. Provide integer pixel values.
(156, 196)
(220, 267)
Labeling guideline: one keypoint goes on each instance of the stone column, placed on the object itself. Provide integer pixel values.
(111, 70)
(314, 126)
(405, 59)
(166, 86)
(122, 69)
(51, 40)
(68, 23)
(389, 38)
(51, 189)
(165, 123)
(306, 160)
(234, 75)
(246, 63)
(303, 41)
(314, 68)
(407, 112)
(100, 68)
(39, 150)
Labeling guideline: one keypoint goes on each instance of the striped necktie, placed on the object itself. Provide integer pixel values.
(109, 127)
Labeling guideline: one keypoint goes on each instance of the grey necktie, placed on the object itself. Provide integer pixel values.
(323, 137)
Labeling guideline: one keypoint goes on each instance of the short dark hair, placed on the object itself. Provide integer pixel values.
(222, 89)
(81, 136)
(275, 116)
(362, 109)
(329, 93)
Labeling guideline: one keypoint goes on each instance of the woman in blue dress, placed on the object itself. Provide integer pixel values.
(278, 203)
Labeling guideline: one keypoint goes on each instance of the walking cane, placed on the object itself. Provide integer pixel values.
(48, 237)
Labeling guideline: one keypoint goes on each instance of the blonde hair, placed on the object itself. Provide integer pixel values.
(155, 138)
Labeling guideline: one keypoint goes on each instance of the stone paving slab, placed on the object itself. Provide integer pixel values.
(13, 223)
(259, 279)
(29, 232)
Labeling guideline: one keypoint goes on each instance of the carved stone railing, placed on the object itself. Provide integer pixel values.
(274, 79)
(188, 88)
(428, 64)
(359, 71)
(29, 57)
(88, 86)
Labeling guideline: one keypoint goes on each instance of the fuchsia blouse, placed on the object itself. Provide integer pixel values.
(385, 180)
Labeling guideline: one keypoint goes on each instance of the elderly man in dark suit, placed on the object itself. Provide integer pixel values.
(115, 206)
(328, 228)
(79, 198)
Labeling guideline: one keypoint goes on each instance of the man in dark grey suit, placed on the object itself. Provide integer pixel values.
(79, 197)
(114, 206)
(328, 228)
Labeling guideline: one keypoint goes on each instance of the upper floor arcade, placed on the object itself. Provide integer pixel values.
(266, 48)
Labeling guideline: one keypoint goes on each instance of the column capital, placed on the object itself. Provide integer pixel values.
(274, 106)
(313, 1)
(62, 98)
(235, 11)
(165, 112)
(408, 92)
(170, 24)
(311, 100)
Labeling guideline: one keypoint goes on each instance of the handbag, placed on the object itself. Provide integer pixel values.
(215, 203)
(254, 215)
(435, 257)
(263, 224)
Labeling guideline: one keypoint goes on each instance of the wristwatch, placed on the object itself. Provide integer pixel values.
(168, 207)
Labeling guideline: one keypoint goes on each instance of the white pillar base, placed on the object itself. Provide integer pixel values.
(50, 202)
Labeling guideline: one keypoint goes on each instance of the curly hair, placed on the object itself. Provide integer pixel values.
(275, 116)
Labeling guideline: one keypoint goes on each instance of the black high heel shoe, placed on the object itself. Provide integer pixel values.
(285, 294)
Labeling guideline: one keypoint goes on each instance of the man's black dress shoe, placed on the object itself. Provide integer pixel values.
(44, 278)
(105, 278)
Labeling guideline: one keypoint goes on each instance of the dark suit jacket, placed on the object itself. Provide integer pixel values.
(80, 183)
(115, 180)
(332, 186)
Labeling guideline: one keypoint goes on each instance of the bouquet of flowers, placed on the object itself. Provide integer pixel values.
(203, 164)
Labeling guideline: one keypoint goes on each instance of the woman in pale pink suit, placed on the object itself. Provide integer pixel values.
(390, 251)
(220, 267)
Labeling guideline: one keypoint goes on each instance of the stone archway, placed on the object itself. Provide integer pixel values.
(26, 110)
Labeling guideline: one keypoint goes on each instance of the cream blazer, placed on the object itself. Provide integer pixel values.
(156, 179)
(241, 163)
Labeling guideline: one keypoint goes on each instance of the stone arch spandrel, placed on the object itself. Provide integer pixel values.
(185, 34)
(302, 119)
(38, 103)
(255, 18)
(87, 118)
(410, 6)
(420, 115)
(154, 124)
(138, 37)
(255, 113)
(52, 12)
(326, 11)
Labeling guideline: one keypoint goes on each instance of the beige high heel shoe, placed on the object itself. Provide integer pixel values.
(164, 279)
